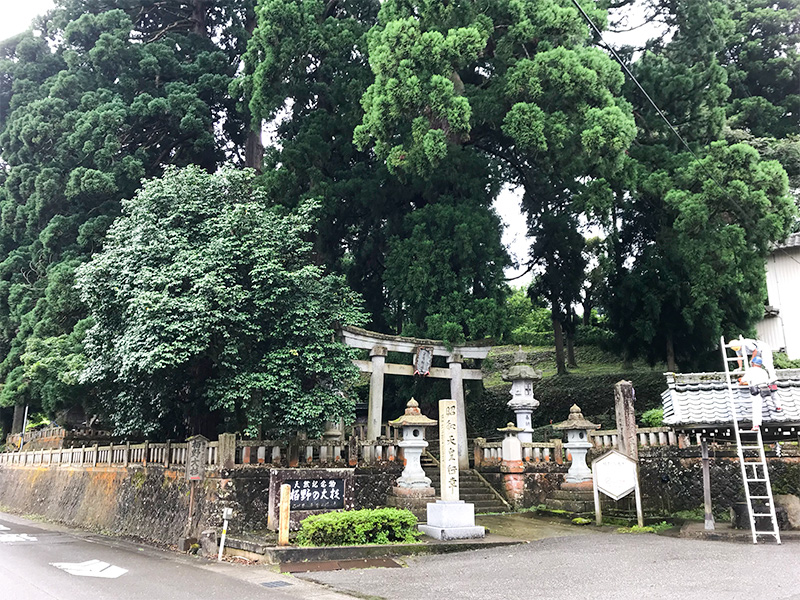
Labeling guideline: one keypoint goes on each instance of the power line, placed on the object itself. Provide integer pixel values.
(653, 104)
(660, 112)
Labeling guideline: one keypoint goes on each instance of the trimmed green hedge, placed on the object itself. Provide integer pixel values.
(359, 527)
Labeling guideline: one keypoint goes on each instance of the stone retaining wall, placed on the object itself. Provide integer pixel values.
(152, 502)
(671, 480)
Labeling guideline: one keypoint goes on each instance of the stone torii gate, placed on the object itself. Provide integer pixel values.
(380, 344)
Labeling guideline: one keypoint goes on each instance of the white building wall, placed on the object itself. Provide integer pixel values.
(783, 290)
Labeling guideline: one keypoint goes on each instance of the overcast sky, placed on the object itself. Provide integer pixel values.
(17, 15)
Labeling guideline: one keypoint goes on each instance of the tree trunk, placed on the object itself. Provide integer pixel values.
(199, 11)
(571, 362)
(19, 418)
(254, 151)
(254, 148)
(588, 304)
(671, 366)
(558, 337)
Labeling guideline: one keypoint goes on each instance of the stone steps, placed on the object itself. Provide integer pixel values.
(471, 489)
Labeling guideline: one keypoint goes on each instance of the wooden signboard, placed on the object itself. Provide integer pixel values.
(313, 491)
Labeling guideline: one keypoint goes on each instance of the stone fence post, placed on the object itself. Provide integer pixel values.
(226, 450)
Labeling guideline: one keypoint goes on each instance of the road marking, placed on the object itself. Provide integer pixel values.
(10, 538)
(4, 528)
(92, 568)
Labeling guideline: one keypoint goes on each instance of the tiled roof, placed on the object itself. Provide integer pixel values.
(793, 241)
(702, 398)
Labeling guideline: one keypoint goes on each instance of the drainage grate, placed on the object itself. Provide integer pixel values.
(273, 584)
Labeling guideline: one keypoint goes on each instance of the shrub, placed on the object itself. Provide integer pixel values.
(653, 417)
(357, 527)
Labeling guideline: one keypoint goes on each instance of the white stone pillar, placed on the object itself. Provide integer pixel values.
(375, 414)
(457, 393)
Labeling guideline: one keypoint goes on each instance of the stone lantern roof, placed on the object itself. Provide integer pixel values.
(412, 417)
(510, 428)
(521, 369)
(575, 421)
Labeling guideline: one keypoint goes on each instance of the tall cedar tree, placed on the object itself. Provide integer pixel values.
(519, 83)
(425, 253)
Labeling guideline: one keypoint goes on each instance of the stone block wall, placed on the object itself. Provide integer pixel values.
(152, 503)
(528, 488)
(671, 480)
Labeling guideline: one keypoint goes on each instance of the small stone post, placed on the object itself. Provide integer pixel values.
(624, 397)
(226, 450)
(512, 466)
(709, 515)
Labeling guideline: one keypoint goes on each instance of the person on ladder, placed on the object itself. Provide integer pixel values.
(757, 378)
(749, 350)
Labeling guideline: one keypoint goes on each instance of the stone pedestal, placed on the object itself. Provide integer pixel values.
(414, 499)
(452, 520)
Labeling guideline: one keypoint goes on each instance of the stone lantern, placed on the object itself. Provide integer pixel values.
(413, 443)
(522, 402)
(578, 444)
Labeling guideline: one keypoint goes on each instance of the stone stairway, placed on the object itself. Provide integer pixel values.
(472, 489)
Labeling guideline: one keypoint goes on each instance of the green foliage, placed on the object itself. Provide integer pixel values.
(686, 266)
(653, 417)
(93, 99)
(783, 362)
(655, 528)
(204, 299)
(424, 253)
(581, 521)
(594, 393)
(699, 514)
(359, 527)
(528, 325)
(515, 81)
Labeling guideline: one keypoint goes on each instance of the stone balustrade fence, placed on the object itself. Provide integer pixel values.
(491, 453)
(277, 453)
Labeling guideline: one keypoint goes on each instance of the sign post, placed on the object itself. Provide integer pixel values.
(284, 511)
(616, 475)
(450, 518)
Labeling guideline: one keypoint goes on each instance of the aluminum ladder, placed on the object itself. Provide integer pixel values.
(752, 459)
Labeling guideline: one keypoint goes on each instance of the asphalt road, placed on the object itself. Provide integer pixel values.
(46, 562)
(591, 567)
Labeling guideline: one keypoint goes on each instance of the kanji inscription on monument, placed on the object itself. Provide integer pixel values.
(448, 449)
(316, 494)
(197, 452)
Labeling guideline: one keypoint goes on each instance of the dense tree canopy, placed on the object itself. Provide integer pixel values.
(424, 252)
(207, 310)
(399, 121)
(91, 101)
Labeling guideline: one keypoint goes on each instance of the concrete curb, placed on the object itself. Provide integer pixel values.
(724, 532)
(276, 555)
